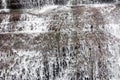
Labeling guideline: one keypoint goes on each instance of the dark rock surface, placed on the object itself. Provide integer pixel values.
(20, 4)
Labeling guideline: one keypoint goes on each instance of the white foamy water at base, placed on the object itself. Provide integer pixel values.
(4, 10)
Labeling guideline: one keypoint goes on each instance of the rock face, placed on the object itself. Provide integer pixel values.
(60, 42)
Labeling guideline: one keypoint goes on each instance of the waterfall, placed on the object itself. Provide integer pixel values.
(59, 40)
(4, 5)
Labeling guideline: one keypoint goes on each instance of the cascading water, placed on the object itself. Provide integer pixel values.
(59, 40)
(4, 5)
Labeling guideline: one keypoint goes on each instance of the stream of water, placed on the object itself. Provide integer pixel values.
(4, 5)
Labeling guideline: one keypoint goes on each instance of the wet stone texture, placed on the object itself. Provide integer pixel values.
(60, 43)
